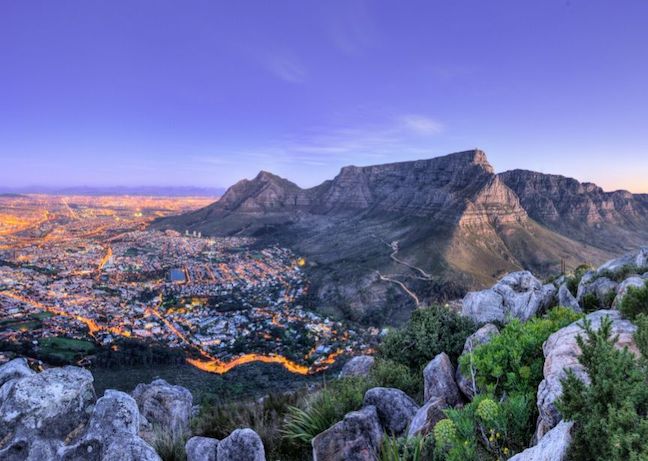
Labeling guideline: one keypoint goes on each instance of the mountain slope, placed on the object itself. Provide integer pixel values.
(451, 216)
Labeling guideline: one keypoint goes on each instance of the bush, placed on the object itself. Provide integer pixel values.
(417, 448)
(635, 302)
(169, 445)
(429, 332)
(387, 373)
(610, 414)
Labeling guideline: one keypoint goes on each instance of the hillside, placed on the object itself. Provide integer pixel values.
(452, 217)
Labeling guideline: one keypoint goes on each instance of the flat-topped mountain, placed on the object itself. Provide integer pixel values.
(439, 226)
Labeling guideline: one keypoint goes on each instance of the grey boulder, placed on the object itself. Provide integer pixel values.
(439, 382)
(567, 299)
(241, 445)
(164, 405)
(561, 354)
(395, 408)
(357, 437)
(201, 449)
(517, 295)
(426, 417)
(601, 287)
(637, 259)
(15, 369)
(552, 447)
(358, 366)
(622, 289)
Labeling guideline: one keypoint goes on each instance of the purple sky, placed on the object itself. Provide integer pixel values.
(206, 92)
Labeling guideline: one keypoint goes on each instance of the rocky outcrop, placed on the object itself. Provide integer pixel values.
(201, 449)
(517, 295)
(602, 287)
(439, 382)
(53, 415)
(561, 353)
(15, 369)
(567, 299)
(165, 406)
(358, 366)
(241, 445)
(481, 336)
(623, 287)
(395, 408)
(552, 447)
(357, 437)
(637, 259)
(426, 417)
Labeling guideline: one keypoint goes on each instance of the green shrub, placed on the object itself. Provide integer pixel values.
(635, 302)
(169, 445)
(610, 414)
(327, 407)
(429, 332)
(387, 373)
(417, 448)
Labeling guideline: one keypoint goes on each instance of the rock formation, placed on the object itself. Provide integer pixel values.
(164, 405)
(360, 365)
(395, 408)
(439, 382)
(481, 336)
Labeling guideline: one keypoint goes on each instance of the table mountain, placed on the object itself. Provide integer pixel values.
(439, 226)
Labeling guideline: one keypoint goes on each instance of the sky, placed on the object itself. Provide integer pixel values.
(205, 92)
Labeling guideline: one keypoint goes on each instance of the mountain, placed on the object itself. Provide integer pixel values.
(438, 226)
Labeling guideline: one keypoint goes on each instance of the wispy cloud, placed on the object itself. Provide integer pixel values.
(352, 28)
(286, 67)
(421, 124)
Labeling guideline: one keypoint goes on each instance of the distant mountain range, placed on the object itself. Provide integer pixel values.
(438, 227)
(165, 191)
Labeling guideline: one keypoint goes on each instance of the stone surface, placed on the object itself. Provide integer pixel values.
(395, 408)
(357, 437)
(201, 449)
(241, 445)
(164, 405)
(112, 433)
(358, 366)
(637, 258)
(561, 353)
(599, 286)
(439, 382)
(16, 368)
(426, 417)
(567, 299)
(481, 336)
(622, 289)
(517, 295)
(552, 447)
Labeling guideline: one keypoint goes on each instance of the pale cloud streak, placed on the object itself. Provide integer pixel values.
(286, 67)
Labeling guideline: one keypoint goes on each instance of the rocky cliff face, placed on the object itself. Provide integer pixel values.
(451, 215)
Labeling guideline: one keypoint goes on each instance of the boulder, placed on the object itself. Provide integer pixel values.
(395, 408)
(357, 437)
(164, 405)
(111, 434)
(439, 382)
(48, 405)
(201, 449)
(599, 286)
(517, 295)
(426, 417)
(358, 366)
(241, 445)
(638, 259)
(561, 353)
(567, 299)
(16, 368)
(634, 281)
(552, 447)
(481, 336)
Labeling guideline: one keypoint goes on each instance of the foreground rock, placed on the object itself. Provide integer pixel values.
(439, 382)
(165, 406)
(358, 366)
(241, 445)
(395, 408)
(481, 336)
(552, 447)
(15, 369)
(356, 438)
(112, 433)
(426, 418)
(561, 353)
(201, 449)
(517, 295)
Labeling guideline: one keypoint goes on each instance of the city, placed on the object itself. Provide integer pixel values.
(81, 275)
